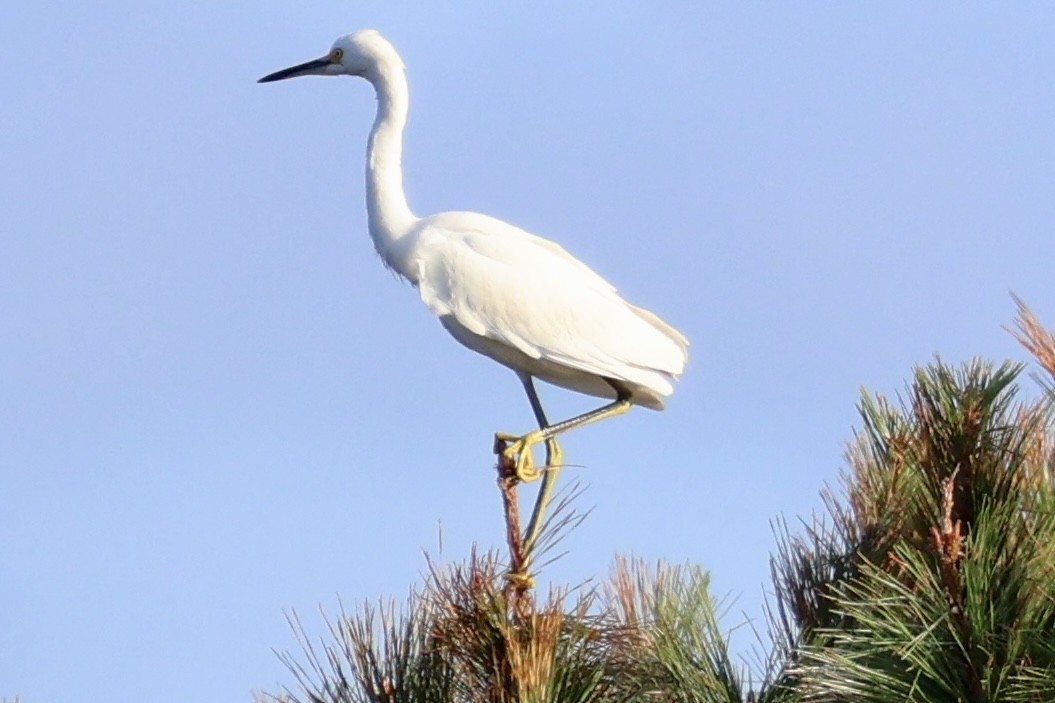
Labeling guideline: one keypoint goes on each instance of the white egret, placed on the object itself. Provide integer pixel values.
(522, 300)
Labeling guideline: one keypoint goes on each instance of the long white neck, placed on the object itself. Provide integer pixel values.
(388, 214)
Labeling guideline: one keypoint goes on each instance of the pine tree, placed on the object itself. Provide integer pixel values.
(934, 580)
(931, 577)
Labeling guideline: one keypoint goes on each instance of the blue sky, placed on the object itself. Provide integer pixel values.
(215, 405)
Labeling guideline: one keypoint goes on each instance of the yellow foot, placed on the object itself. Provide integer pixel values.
(554, 455)
(517, 451)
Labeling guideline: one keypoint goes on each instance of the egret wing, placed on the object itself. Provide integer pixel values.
(523, 291)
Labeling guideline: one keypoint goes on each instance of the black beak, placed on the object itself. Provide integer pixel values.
(308, 68)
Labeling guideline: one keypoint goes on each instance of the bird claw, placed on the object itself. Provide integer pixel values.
(516, 452)
(525, 464)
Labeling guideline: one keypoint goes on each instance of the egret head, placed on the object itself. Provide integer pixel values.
(356, 54)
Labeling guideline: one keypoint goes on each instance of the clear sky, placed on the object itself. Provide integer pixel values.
(215, 404)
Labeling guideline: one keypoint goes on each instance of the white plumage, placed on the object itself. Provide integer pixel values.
(520, 299)
(527, 303)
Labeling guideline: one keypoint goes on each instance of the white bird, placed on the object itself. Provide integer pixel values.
(518, 298)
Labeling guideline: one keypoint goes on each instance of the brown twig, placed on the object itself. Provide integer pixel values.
(519, 580)
(948, 542)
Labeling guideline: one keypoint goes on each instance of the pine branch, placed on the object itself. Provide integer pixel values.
(944, 552)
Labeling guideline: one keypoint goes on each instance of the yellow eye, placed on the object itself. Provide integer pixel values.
(337, 54)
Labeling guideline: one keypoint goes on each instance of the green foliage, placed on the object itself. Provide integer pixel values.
(648, 635)
(499, 654)
(377, 655)
(935, 581)
(673, 648)
(931, 577)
